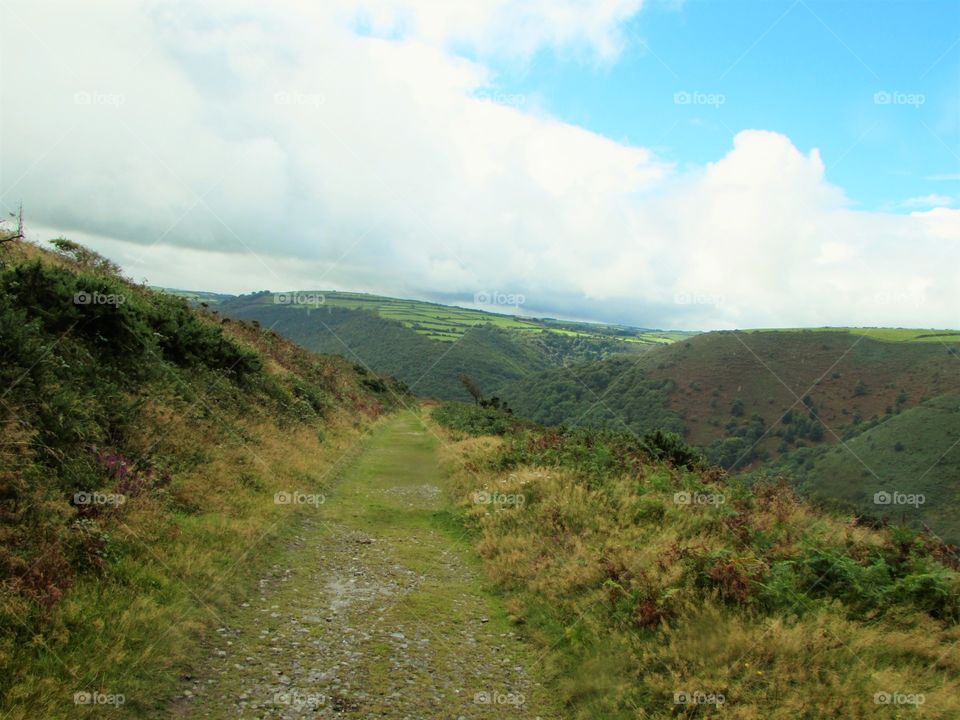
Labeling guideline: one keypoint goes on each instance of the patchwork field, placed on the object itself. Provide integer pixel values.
(448, 323)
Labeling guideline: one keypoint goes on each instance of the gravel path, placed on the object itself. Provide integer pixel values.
(379, 611)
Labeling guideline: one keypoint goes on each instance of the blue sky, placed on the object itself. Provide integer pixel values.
(808, 69)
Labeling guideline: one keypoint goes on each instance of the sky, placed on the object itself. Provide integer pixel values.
(697, 164)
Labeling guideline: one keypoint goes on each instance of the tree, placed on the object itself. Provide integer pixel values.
(736, 408)
(471, 387)
(860, 389)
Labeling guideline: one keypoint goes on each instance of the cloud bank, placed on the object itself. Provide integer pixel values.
(237, 146)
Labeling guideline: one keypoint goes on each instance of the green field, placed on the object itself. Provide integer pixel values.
(196, 296)
(448, 323)
(897, 335)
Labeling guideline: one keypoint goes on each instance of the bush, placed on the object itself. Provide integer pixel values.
(474, 419)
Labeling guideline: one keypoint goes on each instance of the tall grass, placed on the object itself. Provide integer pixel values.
(659, 591)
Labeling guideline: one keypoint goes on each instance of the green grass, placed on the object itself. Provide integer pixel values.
(196, 421)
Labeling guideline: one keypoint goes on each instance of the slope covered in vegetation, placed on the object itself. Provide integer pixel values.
(151, 456)
(428, 346)
(906, 468)
(749, 396)
(659, 587)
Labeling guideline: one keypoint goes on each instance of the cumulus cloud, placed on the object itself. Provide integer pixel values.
(357, 145)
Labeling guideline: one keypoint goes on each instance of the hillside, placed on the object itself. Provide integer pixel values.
(429, 345)
(152, 456)
(800, 403)
(906, 468)
(750, 396)
(658, 587)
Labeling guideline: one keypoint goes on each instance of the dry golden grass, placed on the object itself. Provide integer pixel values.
(601, 579)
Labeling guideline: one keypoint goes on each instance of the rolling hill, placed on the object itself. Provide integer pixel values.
(775, 398)
(428, 345)
(843, 413)
(749, 396)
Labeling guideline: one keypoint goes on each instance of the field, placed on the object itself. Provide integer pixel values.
(196, 296)
(448, 323)
(897, 335)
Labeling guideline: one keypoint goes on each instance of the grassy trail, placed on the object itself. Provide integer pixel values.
(376, 610)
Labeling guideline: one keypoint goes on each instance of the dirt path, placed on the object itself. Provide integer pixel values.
(379, 611)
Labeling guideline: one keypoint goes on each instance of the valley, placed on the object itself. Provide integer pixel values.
(521, 360)
(753, 401)
(205, 519)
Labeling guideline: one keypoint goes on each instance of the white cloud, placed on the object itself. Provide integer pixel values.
(274, 146)
(932, 200)
(516, 27)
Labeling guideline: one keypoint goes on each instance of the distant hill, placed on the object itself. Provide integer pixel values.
(428, 345)
(197, 296)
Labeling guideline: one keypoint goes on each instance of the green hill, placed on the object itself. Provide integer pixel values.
(915, 453)
(797, 400)
(429, 345)
(751, 396)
